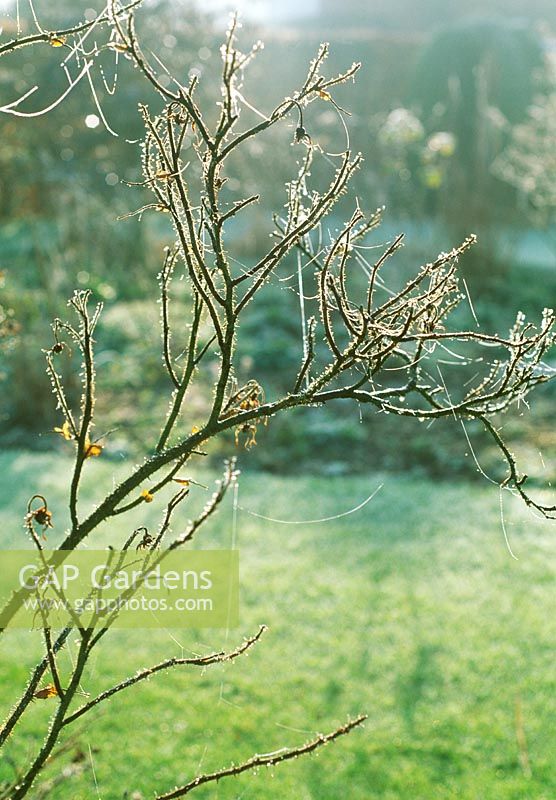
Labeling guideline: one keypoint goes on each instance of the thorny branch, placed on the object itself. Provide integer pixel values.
(144, 674)
(267, 760)
(106, 16)
(73, 39)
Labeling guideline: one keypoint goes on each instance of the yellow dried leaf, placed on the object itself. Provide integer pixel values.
(195, 429)
(324, 95)
(46, 693)
(182, 481)
(92, 449)
(65, 431)
(57, 41)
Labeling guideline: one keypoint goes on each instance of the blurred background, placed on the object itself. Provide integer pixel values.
(413, 609)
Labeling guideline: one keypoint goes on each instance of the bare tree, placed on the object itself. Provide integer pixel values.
(377, 346)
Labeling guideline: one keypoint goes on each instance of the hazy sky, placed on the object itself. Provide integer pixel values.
(263, 10)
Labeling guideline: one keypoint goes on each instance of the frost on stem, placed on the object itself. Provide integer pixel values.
(81, 55)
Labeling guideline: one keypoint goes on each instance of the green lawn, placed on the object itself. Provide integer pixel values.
(411, 610)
